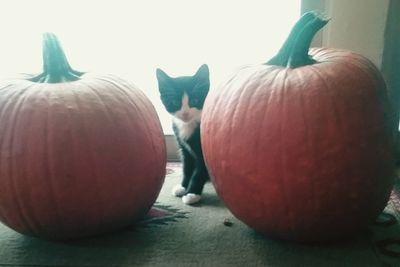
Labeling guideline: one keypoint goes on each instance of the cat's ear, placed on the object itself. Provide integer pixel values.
(203, 78)
(162, 77)
(203, 72)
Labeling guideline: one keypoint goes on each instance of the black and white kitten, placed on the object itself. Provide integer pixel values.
(183, 97)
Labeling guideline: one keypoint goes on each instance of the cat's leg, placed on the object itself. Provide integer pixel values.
(188, 165)
(196, 185)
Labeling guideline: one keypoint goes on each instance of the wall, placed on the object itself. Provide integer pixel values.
(358, 25)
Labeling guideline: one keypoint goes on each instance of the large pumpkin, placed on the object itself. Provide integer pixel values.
(299, 148)
(80, 154)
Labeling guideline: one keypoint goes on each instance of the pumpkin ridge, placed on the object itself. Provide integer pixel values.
(205, 119)
(283, 165)
(229, 96)
(90, 152)
(3, 110)
(259, 148)
(358, 62)
(106, 110)
(75, 144)
(263, 121)
(230, 100)
(49, 167)
(380, 94)
(332, 97)
(143, 105)
(335, 107)
(344, 149)
(16, 111)
(308, 141)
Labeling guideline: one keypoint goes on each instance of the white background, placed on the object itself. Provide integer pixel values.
(132, 38)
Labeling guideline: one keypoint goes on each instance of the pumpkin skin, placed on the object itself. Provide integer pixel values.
(78, 158)
(301, 153)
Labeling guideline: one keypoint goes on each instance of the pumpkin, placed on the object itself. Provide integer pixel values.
(80, 154)
(299, 148)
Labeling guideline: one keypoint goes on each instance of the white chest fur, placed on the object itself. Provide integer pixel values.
(186, 129)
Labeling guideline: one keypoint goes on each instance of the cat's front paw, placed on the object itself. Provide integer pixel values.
(178, 190)
(190, 199)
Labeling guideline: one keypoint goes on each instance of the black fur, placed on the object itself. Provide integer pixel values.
(195, 173)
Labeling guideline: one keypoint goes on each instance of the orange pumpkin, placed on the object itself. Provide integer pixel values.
(299, 148)
(81, 154)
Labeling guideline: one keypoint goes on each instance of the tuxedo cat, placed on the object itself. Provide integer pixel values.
(183, 97)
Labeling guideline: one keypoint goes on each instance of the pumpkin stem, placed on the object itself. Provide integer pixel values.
(56, 68)
(294, 52)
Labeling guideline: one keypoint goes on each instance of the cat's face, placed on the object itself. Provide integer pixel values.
(184, 97)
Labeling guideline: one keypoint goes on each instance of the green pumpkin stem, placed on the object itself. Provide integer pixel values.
(56, 68)
(282, 57)
(294, 52)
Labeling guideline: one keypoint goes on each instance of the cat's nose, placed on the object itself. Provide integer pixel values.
(185, 115)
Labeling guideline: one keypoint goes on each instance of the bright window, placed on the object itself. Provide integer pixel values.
(132, 38)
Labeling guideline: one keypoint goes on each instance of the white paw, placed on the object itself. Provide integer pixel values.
(190, 198)
(178, 190)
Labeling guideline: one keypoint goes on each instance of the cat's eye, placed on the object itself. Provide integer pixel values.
(194, 102)
(175, 103)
